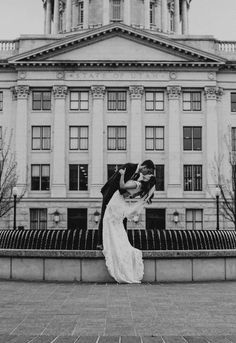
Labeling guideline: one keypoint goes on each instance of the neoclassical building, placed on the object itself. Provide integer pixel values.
(112, 81)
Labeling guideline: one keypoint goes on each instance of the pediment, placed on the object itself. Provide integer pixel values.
(116, 42)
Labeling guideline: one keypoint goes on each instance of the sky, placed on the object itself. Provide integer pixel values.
(213, 17)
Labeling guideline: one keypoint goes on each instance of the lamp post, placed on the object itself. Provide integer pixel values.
(217, 193)
(15, 193)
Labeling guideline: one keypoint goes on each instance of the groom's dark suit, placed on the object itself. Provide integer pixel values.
(111, 186)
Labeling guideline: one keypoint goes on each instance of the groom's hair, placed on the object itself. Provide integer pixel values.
(149, 164)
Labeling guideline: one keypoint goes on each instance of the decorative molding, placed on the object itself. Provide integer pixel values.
(173, 76)
(213, 93)
(98, 92)
(60, 75)
(173, 92)
(20, 92)
(136, 92)
(22, 75)
(211, 76)
(60, 92)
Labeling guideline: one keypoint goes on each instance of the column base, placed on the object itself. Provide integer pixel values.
(58, 191)
(174, 191)
(95, 191)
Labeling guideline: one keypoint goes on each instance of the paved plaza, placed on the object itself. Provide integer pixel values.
(110, 313)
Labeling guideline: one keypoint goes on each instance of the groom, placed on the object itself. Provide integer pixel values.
(132, 172)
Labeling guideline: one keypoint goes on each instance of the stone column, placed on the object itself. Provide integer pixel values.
(127, 18)
(212, 94)
(45, 16)
(21, 134)
(68, 15)
(97, 164)
(74, 13)
(136, 144)
(164, 15)
(48, 16)
(86, 14)
(184, 18)
(158, 15)
(147, 14)
(56, 16)
(106, 12)
(58, 171)
(176, 16)
(174, 133)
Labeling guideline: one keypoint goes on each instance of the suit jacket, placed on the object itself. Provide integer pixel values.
(113, 184)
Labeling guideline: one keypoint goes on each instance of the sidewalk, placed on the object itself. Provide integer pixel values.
(110, 313)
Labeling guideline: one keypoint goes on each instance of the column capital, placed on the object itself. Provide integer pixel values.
(136, 92)
(98, 92)
(213, 93)
(173, 92)
(60, 92)
(21, 92)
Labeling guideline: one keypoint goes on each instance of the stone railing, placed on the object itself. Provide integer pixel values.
(227, 46)
(8, 45)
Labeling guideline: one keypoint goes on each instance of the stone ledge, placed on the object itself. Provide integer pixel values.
(96, 254)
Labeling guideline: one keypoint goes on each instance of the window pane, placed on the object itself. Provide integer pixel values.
(149, 96)
(149, 132)
(73, 177)
(74, 96)
(83, 177)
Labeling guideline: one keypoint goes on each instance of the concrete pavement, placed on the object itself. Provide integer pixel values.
(38, 312)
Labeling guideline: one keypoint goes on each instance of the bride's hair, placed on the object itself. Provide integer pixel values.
(146, 186)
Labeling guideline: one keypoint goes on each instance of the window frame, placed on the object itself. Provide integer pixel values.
(116, 6)
(41, 101)
(78, 178)
(79, 101)
(116, 100)
(155, 101)
(161, 186)
(190, 177)
(193, 222)
(42, 138)
(116, 138)
(232, 103)
(38, 222)
(192, 139)
(1, 101)
(191, 101)
(154, 138)
(40, 180)
(79, 138)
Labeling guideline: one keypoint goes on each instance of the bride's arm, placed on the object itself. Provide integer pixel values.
(126, 185)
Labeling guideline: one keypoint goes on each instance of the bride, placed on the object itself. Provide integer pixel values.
(124, 262)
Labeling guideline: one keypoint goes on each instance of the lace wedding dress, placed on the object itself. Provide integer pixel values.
(124, 262)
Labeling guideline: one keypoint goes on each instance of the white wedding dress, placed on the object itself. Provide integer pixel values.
(124, 262)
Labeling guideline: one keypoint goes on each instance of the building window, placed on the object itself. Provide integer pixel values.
(38, 218)
(233, 138)
(1, 101)
(79, 100)
(152, 13)
(1, 140)
(77, 218)
(154, 137)
(116, 137)
(80, 12)
(154, 101)
(192, 101)
(116, 10)
(79, 137)
(192, 137)
(41, 137)
(160, 177)
(233, 102)
(192, 177)
(111, 169)
(41, 100)
(194, 219)
(155, 219)
(117, 101)
(40, 177)
(78, 177)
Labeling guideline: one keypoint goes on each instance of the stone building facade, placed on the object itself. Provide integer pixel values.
(113, 81)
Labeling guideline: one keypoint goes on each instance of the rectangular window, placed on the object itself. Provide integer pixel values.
(77, 218)
(192, 138)
(154, 101)
(80, 12)
(160, 177)
(41, 100)
(152, 13)
(40, 177)
(116, 10)
(1, 142)
(155, 219)
(1, 101)
(192, 177)
(79, 100)
(233, 138)
(154, 138)
(78, 137)
(116, 137)
(41, 137)
(233, 102)
(38, 218)
(78, 177)
(111, 169)
(192, 101)
(194, 219)
(116, 101)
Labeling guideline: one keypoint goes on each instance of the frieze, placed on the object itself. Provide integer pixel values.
(213, 93)
(98, 92)
(60, 92)
(173, 92)
(136, 92)
(20, 92)
(112, 75)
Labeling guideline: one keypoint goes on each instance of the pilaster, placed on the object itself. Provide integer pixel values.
(106, 12)
(56, 16)
(21, 94)
(176, 16)
(68, 15)
(86, 14)
(184, 18)
(174, 153)
(59, 142)
(147, 14)
(136, 144)
(164, 15)
(97, 167)
(48, 16)
(127, 19)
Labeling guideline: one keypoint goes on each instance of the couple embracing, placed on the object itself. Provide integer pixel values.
(124, 262)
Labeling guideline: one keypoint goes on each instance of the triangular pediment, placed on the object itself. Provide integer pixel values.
(116, 43)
